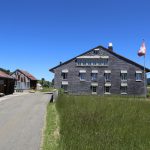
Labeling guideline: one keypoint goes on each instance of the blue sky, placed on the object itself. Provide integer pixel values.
(36, 35)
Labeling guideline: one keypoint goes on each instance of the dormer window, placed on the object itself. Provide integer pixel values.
(95, 60)
(96, 51)
(103, 62)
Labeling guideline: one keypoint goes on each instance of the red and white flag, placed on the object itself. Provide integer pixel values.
(142, 50)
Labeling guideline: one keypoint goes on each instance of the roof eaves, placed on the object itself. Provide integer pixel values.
(25, 74)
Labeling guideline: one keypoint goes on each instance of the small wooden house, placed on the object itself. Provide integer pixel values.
(6, 83)
(24, 80)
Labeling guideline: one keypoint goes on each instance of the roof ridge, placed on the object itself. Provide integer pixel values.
(5, 75)
(27, 74)
(106, 49)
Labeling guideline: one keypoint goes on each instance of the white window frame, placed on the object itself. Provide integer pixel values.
(107, 77)
(64, 75)
(122, 90)
(65, 87)
(105, 89)
(94, 76)
(124, 76)
(82, 76)
(94, 87)
(103, 62)
(137, 76)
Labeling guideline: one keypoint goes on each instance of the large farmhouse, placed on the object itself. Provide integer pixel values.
(24, 80)
(6, 83)
(100, 71)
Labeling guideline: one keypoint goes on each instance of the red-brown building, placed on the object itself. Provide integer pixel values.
(6, 83)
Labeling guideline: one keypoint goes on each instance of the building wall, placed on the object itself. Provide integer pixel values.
(7, 86)
(22, 82)
(75, 86)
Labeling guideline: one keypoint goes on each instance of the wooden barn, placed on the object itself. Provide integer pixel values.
(24, 80)
(6, 83)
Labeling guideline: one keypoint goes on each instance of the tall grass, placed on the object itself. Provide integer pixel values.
(103, 123)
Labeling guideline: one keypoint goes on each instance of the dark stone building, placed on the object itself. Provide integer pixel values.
(100, 71)
(6, 83)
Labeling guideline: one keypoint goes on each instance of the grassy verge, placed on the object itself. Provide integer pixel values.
(51, 133)
(103, 123)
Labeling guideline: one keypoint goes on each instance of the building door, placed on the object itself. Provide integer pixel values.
(1, 86)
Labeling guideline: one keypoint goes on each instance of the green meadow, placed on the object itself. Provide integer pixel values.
(101, 123)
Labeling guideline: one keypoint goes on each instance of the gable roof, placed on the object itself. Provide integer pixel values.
(109, 51)
(4, 75)
(27, 74)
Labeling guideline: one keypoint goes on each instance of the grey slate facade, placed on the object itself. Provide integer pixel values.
(100, 71)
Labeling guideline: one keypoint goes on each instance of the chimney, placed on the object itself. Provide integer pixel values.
(110, 46)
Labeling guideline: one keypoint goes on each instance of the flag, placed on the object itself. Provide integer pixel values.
(142, 50)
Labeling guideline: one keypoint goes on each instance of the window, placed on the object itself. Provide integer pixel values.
(22, 79)
(79, 62)
(96, 52)
(18, 85)
(94, 63)
(107, 89)
(89, 63)
(107, 76)
(65, 87)
(94, 90)
(18, 77)
(103, 62)
(64, 75)
(84, 62)
(28, 84)
(123, 76)
(82, 76)
(123, 89)
(138, 76)
(94, 76)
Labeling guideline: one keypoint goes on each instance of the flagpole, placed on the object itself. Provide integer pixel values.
(144, 79)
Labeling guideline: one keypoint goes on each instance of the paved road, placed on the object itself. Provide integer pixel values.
(21, 121)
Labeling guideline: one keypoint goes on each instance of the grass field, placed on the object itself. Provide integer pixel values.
(103, 123)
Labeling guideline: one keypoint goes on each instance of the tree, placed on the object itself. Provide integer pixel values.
(6, 71)
(42, 81)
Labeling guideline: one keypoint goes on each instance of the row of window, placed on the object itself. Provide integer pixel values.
(99, 62)
(107, 75)
(94, 89)
(123, 89)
